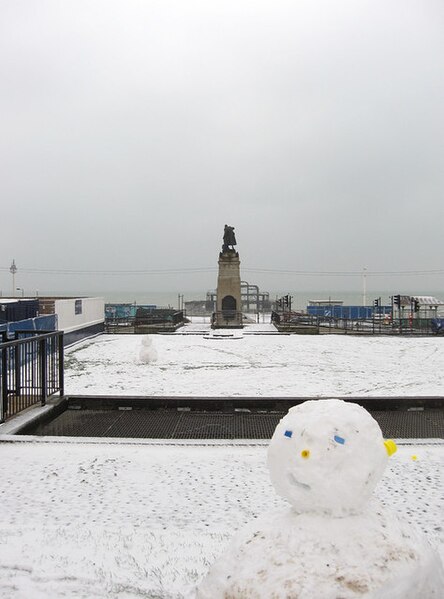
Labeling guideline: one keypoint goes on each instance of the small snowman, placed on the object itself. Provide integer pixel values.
(335, 541)
(147, 353)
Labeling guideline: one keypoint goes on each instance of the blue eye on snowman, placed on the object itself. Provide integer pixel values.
(336, 438)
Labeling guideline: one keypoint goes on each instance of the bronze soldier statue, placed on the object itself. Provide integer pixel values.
(229, 239)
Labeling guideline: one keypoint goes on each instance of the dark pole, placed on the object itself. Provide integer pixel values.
(17, 369)
(380, 314)
(61, 365)
(43, 373)
(4, 396)
(391, 298)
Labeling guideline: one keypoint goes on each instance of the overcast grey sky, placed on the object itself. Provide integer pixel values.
(132, 131)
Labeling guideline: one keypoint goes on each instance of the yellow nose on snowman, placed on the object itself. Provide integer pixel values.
(305, 453)
(390, 446)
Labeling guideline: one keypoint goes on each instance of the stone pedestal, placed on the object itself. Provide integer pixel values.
(228, 296)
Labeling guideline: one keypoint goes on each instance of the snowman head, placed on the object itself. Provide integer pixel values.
(147, 341)
(327, 456)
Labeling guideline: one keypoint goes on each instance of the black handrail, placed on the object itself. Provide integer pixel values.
(31, 370)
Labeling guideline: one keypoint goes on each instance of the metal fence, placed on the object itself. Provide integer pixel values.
(159, 320)
(378, 325)
(31, 370)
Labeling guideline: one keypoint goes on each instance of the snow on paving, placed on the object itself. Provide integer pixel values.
(145, 520)
(126, 519)
(272, 365)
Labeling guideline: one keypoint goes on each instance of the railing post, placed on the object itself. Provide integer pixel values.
(43, 370)
(4, 386)
(61, 365)
(17, 369)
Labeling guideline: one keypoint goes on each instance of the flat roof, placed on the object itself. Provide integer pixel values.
(327, 302)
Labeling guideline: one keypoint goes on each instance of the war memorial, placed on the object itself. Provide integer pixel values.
(228, 304)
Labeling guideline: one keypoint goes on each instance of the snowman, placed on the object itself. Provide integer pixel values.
(147, 351)
(335, 541)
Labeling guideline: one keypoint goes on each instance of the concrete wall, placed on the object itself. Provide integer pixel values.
(79, 313)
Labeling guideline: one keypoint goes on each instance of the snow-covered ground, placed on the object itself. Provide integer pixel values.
(124, 519)
(268, 365)
(128, 520)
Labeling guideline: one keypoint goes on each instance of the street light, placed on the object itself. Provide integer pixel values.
(364, 286)
(13, 269)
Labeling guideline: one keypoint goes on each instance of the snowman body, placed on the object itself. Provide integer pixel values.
(335, 541)
(147, 353)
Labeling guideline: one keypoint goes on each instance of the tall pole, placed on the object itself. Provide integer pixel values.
(13, 270)
(364, 286)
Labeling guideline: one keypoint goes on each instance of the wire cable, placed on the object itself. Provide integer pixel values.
(204, 269)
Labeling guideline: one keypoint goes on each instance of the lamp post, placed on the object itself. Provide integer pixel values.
(364, 286)
(13, 270)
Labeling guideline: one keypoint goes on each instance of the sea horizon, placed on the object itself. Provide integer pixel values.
(300, 299)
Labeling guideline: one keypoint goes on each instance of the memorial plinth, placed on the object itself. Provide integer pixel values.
(228, 295)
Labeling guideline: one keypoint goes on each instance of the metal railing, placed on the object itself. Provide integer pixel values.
(31, 370)
(157, 320)
(378, 325)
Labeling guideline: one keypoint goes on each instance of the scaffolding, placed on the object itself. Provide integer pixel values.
(253, 300)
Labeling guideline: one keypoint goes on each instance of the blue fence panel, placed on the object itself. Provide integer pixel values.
(349, 312)
(40, 323)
